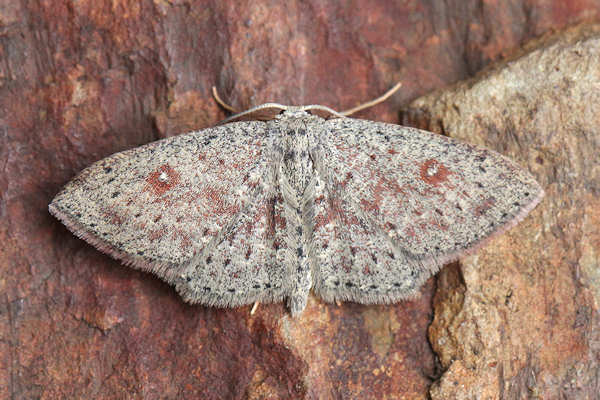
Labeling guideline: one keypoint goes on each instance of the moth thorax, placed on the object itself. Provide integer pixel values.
(297, 163)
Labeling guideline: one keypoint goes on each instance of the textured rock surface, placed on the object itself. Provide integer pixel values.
(81, 80)
(520, 317)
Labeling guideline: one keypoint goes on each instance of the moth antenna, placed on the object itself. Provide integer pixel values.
(373, 102)
(221, 102)
(254, 308)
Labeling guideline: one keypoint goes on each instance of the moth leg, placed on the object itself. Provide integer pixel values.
(254, 308)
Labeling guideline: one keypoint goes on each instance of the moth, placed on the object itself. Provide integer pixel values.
(281, 200)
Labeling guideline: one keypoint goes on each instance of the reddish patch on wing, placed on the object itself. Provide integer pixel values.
(112, 216)
(275, 221)
(159, 186)
(337, 211)
(410, 232)
(382, 189)
(218, 204)
(334, 211)
(346, 180)
(157, 234)
(280, 222)
(346, 264)
(433, 172)
(320, 221)
(484, 207)
(183, 238)
(372, 206)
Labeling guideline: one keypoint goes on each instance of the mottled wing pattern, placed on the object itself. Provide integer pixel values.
(246, 262)
(165, 205)
(353, 259)
(399, 202)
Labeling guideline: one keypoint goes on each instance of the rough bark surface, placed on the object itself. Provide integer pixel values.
(80, 80)
(519, 318)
